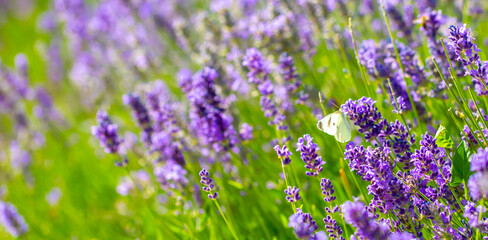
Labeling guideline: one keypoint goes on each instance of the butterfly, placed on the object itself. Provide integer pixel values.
(336, 124)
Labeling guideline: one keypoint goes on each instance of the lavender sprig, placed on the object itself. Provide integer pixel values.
(11, 220)
(308, 152)
(293, 194)
(106, 132)
(208, 185)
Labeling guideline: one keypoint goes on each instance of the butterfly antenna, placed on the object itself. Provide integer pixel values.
(335, 105)
(322, 104)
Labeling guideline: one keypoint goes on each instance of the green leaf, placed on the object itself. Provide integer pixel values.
(235, 184)
(460, 165)
(443, 139)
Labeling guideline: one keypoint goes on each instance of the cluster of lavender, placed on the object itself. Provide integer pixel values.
(410, 189)
(112, 34)
(466, 52)
(420, 190)
(331, 226)
(371, 123)
(165, 138)
(159, 134)
(476, 184)
(305, 227)
(259, 71)
(402, 23)
(25, 134)
(303, 224)
(208, 118)
(430, 24)
(123, 35)
(380, 61)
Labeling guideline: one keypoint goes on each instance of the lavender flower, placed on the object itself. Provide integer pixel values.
(366, 228)
(401, 22)
(327, 189)
(303, 224)
(430, 166)
(293, 194)
(53, 196)
(283, 153)
(259, 71)
(381, 62)
(257, 65)
(208, 119)
(308, 152)
(468, 137)
(466, 52)
(374, 127)
(246, 132)
(288, 71)
(106, 132)
(141, 114)
(208, 185)
(20, 159)
(11, 220)
(333, 229)
(478, 182)
(462, 41)
(430, 24)
(472, 212)
(399, 105)
(171, 175)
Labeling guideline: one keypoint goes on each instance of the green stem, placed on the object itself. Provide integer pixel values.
(361, 69)
(477, 107)
(225, 219)
(462, 105)
(288, 185)
(345, 226)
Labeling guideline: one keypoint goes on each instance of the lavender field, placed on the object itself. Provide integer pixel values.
(244, 119)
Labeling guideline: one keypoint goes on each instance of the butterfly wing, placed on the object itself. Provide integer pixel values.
(343, 133)
(329, 123)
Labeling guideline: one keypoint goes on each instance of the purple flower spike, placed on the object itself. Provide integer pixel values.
(399, 105)
(257, 65)
(332, 228)
(327, 190)
(140, 114)
(283, 153)
(478, 182)
(293, 194)
(366, 228)
(461, 39)
(288, 71)
(308, 152)
(246, 132)
(303, 224)
(106, 132)
(208, 185)
(11, 220)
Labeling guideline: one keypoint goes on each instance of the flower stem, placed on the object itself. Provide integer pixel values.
(225, 219)
(361, 68)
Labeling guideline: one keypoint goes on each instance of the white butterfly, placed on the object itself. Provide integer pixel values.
(336, 124)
